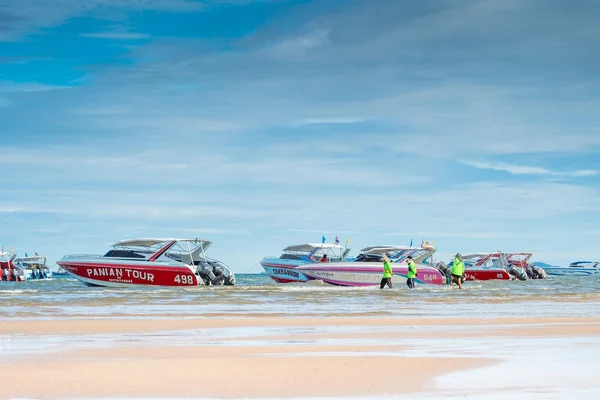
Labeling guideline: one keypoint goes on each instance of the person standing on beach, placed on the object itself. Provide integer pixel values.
(458, 270)
(387, 272)
(412, 272)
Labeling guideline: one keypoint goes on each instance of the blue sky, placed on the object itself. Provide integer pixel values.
(259, 124)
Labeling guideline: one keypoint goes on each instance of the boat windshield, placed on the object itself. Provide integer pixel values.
(118, 253)
(315, 252)
(329, 254)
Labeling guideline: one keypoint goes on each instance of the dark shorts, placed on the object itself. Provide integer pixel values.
(456, 276)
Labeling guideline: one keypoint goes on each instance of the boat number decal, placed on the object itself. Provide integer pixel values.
(499, 276)
(285, 271)
(184, 279)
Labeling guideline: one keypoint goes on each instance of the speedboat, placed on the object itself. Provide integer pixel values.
(284, 269)
(576, 268)
(481, 267)
(367, 268)
(34, 267)
(497, 266)
(150, 262)
(9, 272)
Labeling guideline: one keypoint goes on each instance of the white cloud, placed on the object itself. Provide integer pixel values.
(117, 35)
(491, 234)
(299, 47)
(331, 120)
(527, 170)
(27, 87)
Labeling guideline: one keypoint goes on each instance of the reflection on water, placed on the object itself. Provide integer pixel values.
(256, 294)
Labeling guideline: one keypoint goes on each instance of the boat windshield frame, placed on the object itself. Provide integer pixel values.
(315, 252)
(174, 249)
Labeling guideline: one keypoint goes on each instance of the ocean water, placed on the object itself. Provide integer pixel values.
(257, 294)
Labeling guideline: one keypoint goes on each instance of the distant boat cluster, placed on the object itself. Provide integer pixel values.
(19, 269)
(183, 262)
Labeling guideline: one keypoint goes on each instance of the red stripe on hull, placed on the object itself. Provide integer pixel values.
(486, 275)
(131, 274)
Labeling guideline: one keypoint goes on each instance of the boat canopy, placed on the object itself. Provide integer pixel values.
(309, 247)
(153, 242)
(383, 249)
(316, 252)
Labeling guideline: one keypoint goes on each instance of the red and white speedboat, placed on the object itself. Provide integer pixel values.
(9, 272)
(150, 262)
(494, 266)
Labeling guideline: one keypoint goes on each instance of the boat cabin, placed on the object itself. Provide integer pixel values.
(315, 252)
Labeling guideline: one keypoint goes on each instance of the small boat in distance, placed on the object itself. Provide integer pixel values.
(150, 262)
(9, 272)
(576, 268)
(284, 269)
(34, 267)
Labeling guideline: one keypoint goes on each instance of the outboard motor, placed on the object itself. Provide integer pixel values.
(446, 270)
(205, 270)
(229, 280)
(517, 272)
(218, 273)
(538, 273)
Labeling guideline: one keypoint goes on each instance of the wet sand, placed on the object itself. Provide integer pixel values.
(257, 357)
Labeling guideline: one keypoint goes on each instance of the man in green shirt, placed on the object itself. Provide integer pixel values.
(412, 272)
(458, 270)
(386, 279)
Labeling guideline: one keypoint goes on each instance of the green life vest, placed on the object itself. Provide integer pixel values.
(387, 269)
(412, 270)
(458, 267)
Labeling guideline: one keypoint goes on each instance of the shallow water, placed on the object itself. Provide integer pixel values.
(256, 294)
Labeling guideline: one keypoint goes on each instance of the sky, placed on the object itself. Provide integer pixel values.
(258, 124)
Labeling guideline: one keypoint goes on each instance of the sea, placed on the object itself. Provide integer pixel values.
(257, 294)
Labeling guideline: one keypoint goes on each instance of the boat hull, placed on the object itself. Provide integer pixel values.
(284, 273)
(367, 274)
(129, 274)
(486, 275)
(571, 271)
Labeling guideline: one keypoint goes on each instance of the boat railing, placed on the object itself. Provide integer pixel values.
(83, 256)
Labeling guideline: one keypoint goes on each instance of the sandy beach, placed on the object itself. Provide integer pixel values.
(257, 357)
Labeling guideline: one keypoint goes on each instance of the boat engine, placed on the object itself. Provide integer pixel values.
(446, 270)
(205, 271)
(519, 273)
(535, 272)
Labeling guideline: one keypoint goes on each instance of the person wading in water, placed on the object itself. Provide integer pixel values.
(386, 279)
(412, 272)
(458, 270)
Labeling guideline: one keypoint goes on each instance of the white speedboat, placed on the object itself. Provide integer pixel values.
(150, 262)
(34, 267)
(577, 268)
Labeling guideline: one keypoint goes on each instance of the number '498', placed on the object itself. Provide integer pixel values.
(185, 279)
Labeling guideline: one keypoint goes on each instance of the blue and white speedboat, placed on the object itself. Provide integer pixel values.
(34, 267)
(283, 269)
(577, 268)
